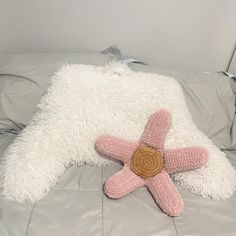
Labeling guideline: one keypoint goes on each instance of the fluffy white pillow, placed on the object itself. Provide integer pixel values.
(84, 102)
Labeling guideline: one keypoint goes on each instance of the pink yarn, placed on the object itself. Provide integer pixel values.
(160, 185)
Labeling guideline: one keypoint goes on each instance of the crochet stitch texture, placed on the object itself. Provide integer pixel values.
(147, 163)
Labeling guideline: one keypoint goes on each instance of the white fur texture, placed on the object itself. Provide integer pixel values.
(84, 102)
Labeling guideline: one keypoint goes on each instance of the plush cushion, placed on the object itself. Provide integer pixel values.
(87, 101)
(147, 163)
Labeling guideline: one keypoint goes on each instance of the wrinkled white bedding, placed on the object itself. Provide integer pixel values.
(78, 207)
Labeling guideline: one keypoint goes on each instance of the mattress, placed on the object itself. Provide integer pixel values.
(77, 205)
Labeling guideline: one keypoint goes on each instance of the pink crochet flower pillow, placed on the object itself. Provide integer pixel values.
(147, 163)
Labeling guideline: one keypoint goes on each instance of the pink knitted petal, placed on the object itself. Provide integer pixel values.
(122, 183)
(115, 147)
(156, 130)
(184, 159)
(165, 194)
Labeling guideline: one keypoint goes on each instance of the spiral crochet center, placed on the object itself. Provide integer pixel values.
(146, 162)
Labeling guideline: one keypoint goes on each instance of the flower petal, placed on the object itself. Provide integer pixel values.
(184, 159)
(165, 194)
(156, 130)
(122, 183)
(116, 147)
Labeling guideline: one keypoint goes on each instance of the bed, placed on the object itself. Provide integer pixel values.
(77, 205)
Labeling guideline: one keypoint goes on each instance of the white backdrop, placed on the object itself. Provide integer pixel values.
(192, 34)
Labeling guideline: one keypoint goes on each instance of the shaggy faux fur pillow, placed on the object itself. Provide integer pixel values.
(84, 102)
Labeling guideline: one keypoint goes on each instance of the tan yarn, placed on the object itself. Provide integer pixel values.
(146, 162)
